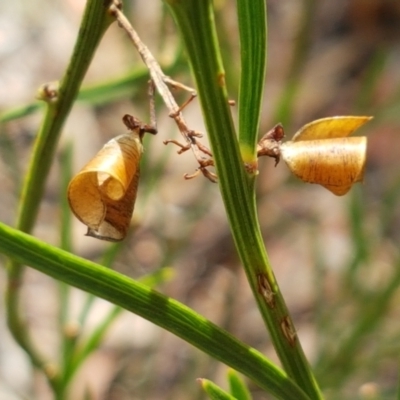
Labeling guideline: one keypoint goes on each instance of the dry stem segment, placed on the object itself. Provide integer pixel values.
(161, 82)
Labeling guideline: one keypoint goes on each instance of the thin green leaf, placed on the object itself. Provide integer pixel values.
(252, 16)
(214, 392)
(151, 305)
(238, 387)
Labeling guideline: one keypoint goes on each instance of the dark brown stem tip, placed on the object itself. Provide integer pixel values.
(133, 123)
(269, 145)
(276, 133)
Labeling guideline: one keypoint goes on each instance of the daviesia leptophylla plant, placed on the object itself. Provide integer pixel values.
(320, 152)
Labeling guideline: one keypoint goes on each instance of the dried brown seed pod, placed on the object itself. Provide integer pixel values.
(102, 195)
(321, 152)
(335, 164)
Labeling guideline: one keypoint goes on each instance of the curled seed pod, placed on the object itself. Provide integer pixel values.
(335, 164)
(102, 195)
(321, 152)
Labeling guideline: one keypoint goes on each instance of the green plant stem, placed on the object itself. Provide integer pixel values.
(151, 305)
(94, 23)
(253, 50)
(195, 21)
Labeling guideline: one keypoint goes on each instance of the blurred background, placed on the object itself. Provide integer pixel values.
(336, 259)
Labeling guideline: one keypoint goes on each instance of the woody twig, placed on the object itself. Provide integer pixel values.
(161, 82)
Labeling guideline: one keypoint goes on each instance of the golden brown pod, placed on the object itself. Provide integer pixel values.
(321, 153)
(102, 195)
(335, 164)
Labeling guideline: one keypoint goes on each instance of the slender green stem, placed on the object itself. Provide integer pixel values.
(59, 102)
(151, 305)
(253, 51)
(195, 20)
(95, 22)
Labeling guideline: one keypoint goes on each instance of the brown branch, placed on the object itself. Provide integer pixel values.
(161, 82)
